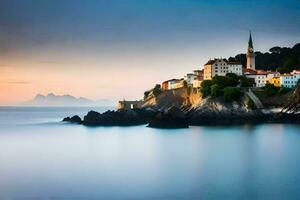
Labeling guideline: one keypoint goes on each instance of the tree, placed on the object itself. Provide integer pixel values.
(275, 50)
(205, 88)
(283, 59)
(156, 90)
(146, 94)
(206, 83)
(215, 90)
(205, 91)
(221, 81)
(232, 94)
(232, 79)
(284, 90)
(270, 89)
(290, 62)
(185, 84)
(247, 82)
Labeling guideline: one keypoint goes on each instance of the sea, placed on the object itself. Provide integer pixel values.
(44, 158)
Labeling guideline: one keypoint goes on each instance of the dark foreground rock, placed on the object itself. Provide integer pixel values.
(170, 118)
(226, 117)
(286, 118)
(118, 118)
(175, 117)
(74, 119)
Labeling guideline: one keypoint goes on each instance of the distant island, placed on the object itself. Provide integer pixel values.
(65, 101)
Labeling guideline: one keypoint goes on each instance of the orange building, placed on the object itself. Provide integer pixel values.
(165, 85)
(275, 81)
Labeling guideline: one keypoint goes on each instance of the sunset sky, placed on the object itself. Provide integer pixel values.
(119, 48)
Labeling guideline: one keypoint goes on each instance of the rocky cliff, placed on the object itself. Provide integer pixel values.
(183, 107)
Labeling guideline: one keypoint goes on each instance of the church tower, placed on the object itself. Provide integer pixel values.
(250, 54)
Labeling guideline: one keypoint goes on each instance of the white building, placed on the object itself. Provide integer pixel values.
(260, 77)
(216, 67)
(271, 75)
(235, 67)
(221, 67)
(290, 80)
(189, 78)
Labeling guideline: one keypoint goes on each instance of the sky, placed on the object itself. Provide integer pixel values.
(116, 49)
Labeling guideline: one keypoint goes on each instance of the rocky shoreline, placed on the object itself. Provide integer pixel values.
(176, 109)
(175, 117)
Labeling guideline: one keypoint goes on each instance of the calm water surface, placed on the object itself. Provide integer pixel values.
(42, 158)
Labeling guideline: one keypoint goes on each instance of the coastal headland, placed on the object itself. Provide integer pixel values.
(183, 107)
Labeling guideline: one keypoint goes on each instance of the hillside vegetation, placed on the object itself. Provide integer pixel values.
(282, 59)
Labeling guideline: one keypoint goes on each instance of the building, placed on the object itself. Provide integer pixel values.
(250, 54)
(128, 105)
(199, 74)
(165, 85)
(216, 67)
(271, 75)
(290, 80)
(175, 83)
(197, 83)
(189, 78)
(274, 81)
(221, 67)
(235, 68)
(259, 76)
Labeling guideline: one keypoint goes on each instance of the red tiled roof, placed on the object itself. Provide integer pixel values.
(249, 71)
(261, 72)
(210, 62)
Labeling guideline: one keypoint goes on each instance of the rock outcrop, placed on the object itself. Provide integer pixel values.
(213, 111)
(75, 119)
(118, 118)
(170, 118)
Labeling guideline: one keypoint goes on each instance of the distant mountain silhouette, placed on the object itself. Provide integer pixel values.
(65, 100)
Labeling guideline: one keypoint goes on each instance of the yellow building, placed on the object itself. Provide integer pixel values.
(275, 81)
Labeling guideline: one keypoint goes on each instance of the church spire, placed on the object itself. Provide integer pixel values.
(250, 43)
(250, 54)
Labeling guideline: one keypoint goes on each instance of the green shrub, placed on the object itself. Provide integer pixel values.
(146, 94)
(221, 81)
(232, 79)
(156, 90)
(232, 94)
(185, 84)
(284, 90)
(205, 88)
(247, 82)
(215, 90)
(270, 89)
(206, 83)
(205, 91)
(250, 104)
